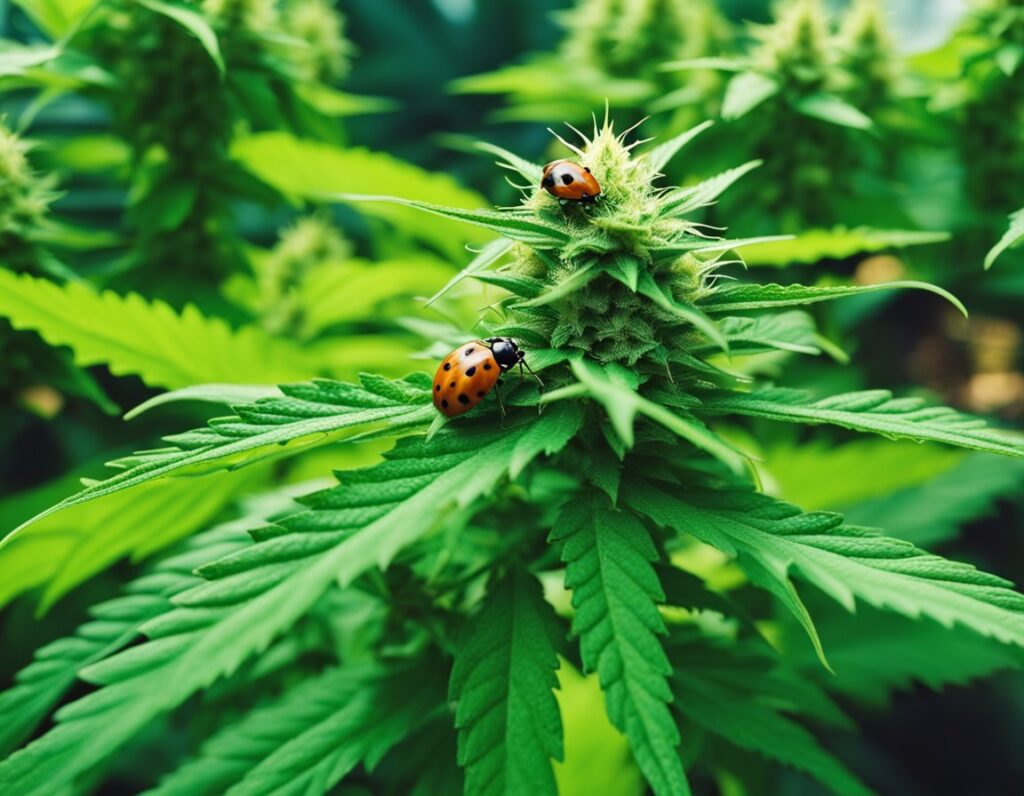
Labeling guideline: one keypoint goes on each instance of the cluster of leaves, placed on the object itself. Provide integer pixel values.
(442, 548)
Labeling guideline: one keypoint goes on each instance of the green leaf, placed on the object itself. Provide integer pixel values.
(875, 653)
(59, 551)
(770, 539)
(931, 512)
(55, 17)
(309, 169)
(488, 255)
(1013, 235)
(191, 21)
(622, 403)
(663, 298)
(736, 694)
(784, 331)
(55, 667)
(813, 245)
(257, 593)
(531, 172)
(685, 200)
(661, 155)
(738, 297)
(149, 339)
(516, 226)
(576, 281)
(225, 394)
(313, 413)
(608, 556)
(832, 109)
(502, 679)
(316, 733)
(875, 411)
(745, 91)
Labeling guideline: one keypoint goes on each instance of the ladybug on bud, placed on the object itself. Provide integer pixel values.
(470, 372)
(565, 179)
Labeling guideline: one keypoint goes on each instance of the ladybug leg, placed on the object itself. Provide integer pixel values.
(497, 394)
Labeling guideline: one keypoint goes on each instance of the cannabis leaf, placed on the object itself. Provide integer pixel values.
(837, 243)
(737, 693)
(40, 685)
(1012, 236)
(871, 410)
(309, 169)
(257, 593)
(771, 538)
(147, 338)
(608, 556)
(738, 297)
(314, 734)
(312, 413)
(503, 676)
(61, 550)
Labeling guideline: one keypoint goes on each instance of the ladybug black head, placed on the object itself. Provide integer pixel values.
(506, 352)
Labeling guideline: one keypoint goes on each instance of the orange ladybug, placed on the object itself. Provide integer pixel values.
(472, 370)
(567, 180)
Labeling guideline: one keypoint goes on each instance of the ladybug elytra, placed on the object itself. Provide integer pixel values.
(564, 179)
(470, 372)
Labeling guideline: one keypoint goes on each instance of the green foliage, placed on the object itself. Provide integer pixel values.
(509, 727)
(608, 559)
(307, 647)
(1012, 236)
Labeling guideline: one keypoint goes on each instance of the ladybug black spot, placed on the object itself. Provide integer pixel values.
(444, 403)
(463, 398)
(487, 365)
(437, 388)
(567, 179)
(452, 384)
(469, 351)
(447, 365)
(480, 393)
(548, 182)
(471, 371)
(587, 169)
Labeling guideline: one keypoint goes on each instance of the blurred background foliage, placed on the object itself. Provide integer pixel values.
(161, 226)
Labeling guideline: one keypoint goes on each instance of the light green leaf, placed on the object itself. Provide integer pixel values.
(516, 226)
(784, 331)
(608, 556)
(622, 403)
(225, 394)
(136, 336)
(838, 243)
(191, 21)
(875, 411)
(55, 17)
(745, 91)
(685, 200)
(1013, 235)
(661, 155)
(531, 172)
(309, 169)
(771, 539)
(832, 109)
(648, 287)
(314, 413)
(738, 297)
(502, 680)
(487, 256)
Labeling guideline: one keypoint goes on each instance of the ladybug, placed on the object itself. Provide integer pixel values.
(470, 371)
(564, 179)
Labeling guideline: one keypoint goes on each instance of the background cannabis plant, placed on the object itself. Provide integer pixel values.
(403, 608)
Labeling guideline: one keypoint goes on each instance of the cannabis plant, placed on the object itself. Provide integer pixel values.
(614, 50)
(408, 618)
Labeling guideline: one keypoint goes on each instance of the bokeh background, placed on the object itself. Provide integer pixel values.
(128, 164)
